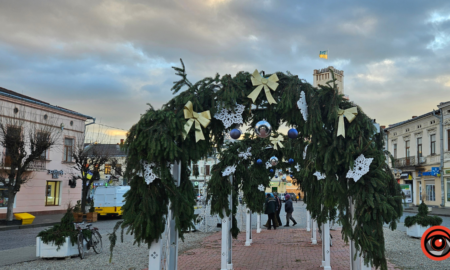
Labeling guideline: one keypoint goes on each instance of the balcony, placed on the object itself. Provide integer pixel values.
(405, 162)
(36, 165)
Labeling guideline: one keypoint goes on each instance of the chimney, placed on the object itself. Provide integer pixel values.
(414, 117)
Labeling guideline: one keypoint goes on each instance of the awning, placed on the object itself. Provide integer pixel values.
(406, 175)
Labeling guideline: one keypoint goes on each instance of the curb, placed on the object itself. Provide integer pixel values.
(430, 213)
(18, 227)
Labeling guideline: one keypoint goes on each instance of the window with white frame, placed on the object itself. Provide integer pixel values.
(68, 149)
(431, 192)
(433, 144)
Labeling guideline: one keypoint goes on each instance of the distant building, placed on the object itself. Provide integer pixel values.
(322, 76)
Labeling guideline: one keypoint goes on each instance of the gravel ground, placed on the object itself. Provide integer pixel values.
(406, 252)
(126, 256)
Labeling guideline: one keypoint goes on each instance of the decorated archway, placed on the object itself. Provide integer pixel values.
(337, 153)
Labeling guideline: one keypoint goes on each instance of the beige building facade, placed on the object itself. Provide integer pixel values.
(322, 76)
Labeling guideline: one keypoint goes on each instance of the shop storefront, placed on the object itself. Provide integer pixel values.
(430, 186)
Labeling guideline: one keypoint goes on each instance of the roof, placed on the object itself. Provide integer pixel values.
(409, 120)
(106, 149)
(12, 94)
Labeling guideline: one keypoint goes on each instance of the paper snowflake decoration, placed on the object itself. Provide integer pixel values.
(230, 117)
(229, 170)
(319, 175)
(148, 175)
(268, 165)
(297, 167)
(245, 155)
(301, 103)
(304, 152)
(360, 168)
(261, 187)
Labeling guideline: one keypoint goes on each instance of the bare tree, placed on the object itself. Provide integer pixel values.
(24, 141)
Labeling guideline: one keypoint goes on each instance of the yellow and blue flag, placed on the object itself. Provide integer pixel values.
(323, 54)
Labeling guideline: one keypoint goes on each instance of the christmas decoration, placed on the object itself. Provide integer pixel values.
(276, 176)
(259, 161)
(235, 133)
(319, 175)
(230, 117)
(291, 176)
(148, 174)
(274, 161)
(263, 129)
(350, 114)
(277, 142)
(271, 170)
(304, 151)
(360, 168)
(268, 165)
(261, 187)
(301, 103)
(200, 119)
(292, 133)
(229, 170)
(291, 161)
(283, 178)
(247, 154)
(265, 83)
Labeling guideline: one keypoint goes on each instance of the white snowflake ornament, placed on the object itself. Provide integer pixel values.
(261, 187)
(148, 175)
(297, 167)
(319, 175)
(245, 155)
(268, 165)
(301, 103)
(230, 117)
(229, 170)
(360, 168)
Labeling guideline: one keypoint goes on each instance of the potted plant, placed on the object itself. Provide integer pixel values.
(60, 240)
(77, 213)
(92, 215)
(419, 223)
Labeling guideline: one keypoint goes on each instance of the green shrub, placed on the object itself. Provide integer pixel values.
(92, 208)
(422, 218)
(58, 233)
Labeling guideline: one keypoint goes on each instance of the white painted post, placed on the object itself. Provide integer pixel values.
(173, 233)
(326, 246)
(154, 258)
(225, 232)
(313, 232)
(248, 229)
(230, 240)
(258, 223)
(358, 263)
(308, 221)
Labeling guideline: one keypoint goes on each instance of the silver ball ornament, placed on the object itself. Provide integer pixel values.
(283, 178)
(263, 129)
(273, 161)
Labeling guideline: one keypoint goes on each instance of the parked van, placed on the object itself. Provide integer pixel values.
(108, 201)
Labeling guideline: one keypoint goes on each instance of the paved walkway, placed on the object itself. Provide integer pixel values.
(274, 249)
(39, 221)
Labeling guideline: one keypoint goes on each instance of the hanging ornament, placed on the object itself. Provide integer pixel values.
(301, 103)
(304, 152)
(230, 117)
(283, 178)
(263, 129)
(291, 176)
(277, 142)
(268, 165)
(246, 155)
(200, 119)
(259, 161)
(261, 187)
(274, 161)
(276, 176)
(291, 161)
(292, 133)
(235, 133)
(229, 170)
(280, 172)
(271, 171)
(265, 83)
(297, 167)
(148, 174)
(319, 175)
(350, 114)
(360, 168)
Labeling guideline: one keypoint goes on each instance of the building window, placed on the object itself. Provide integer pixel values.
(395, 150)
(419, 126)
(419, 148)
(3, 196)
(207, 170)
(407, 130)
(431, 195)
(52, 193)
(16, 110)
(118, 169)
(432, 122)
(433, 144)
(68, 149)
(45, 117)
(448, 139)
(407, 149)
(448, 191)
(107, 168)
(71, 123)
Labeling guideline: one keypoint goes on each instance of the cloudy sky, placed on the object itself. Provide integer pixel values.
(108, 59)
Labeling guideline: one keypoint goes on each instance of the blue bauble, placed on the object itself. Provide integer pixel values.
(235, 133)
(291, 161)
(259, 161)
(271, 171)
(292, 176)
(276, 176)
(292, 133)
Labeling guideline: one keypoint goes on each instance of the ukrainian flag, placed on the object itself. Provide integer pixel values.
(323, 54)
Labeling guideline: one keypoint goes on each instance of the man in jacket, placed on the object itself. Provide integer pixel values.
(289, 209)
(271, 210)
(278, 210)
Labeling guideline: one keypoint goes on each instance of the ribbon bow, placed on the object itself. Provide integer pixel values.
(199, 119)
(350, 114)
(265, 83)
(277, 141)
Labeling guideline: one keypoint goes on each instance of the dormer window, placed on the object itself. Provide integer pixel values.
(407, 130)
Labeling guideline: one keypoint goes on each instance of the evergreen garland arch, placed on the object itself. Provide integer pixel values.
(158, 137)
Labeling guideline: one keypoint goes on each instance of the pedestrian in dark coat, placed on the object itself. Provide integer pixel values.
(289, 208)
(271, 210)
(279, 205)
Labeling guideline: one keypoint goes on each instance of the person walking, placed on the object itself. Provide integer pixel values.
(278, 210)
(289, 208)
(270, 211)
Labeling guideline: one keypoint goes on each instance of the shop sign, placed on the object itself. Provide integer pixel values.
(447, 172)
(434, 172)
(406, 190)
(55, 173)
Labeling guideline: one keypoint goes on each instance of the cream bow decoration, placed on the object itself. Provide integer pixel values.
(266, 83)
(200, 119)
(350, 114)
(277, 142)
